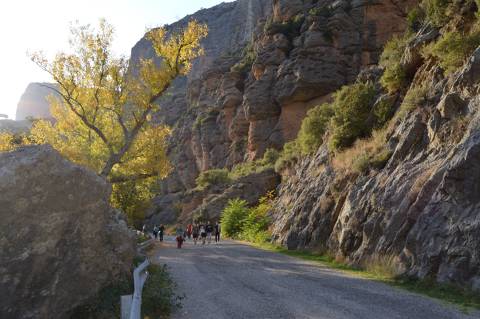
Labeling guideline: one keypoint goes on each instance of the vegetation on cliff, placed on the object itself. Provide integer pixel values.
(224, 176)
(354, 123)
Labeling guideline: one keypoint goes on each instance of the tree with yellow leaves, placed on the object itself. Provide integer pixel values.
(10, 141)
(103, 113)
(6, 142)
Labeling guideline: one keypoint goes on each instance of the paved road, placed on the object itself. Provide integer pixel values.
(233, 281)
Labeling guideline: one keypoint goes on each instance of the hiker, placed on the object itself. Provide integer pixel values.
(189, 230)
(209, 230)
(195, 233)
(155, 232)
(203, 234)
(161, 230)
(217, 232)
(180, 236)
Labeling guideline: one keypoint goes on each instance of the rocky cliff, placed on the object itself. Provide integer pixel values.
(266, 63)
(420, 208)
(33, 103)
(61, 241)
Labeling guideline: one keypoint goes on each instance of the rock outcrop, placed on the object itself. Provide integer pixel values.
(421, 209)
(253, 87)
(15, 127)
(33, 103)
(61, 241)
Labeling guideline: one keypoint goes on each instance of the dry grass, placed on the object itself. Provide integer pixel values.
(384, 267)
(346, 159)
(420, 182)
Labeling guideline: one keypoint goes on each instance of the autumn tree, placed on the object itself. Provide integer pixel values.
(10, 141)
(103, 109)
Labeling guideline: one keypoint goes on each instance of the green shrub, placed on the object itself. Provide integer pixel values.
(453, 49)
(352, 106)
(394, 77)
(251, 224)
(380, 159)
(248, 168)
(213, 177)
(362, 163)
(233, 217)
(417, 96)
(158, 296)
(383, 111)
(244, 169)
(367, 160)
(440, 12)
(270, 157)
(257, 221)
(415, 18)
(310, 136)
(289, 155)
(436, 11)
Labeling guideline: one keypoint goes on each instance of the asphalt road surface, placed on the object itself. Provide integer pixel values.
(230, 280)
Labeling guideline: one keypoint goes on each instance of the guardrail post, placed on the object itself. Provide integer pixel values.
(140, 275)
(125, 306)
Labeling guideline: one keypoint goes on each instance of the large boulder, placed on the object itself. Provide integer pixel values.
(60, 239)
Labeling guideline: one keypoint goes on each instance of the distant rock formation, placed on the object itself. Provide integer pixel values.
(33, 103)
(15, 127)
(60, 239)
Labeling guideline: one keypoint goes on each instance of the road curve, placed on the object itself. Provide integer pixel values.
(231, 281)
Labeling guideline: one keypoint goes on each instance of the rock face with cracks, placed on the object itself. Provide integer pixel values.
(422, 210)
(61, 242)
(266, 64)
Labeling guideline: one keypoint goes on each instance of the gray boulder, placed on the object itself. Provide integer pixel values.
(60, 239)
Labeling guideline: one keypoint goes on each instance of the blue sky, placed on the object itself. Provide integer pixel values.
(43, 25)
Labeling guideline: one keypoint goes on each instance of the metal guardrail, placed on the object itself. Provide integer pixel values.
(131, 306)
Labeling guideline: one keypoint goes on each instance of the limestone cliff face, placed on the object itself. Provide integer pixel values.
(33, 102)
(266, 63)
(421, 209)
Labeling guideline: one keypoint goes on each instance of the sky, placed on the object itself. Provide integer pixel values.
(32, 25)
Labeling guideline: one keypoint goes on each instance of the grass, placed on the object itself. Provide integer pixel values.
(158, 297)
(141, 238)
(383, 270)
(363, 149)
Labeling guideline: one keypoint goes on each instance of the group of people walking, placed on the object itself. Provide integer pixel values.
(158, 232)
(199, 232)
